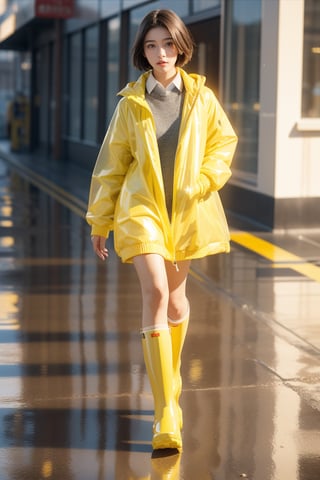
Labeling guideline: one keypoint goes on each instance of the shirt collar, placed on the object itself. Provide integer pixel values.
(176, 83)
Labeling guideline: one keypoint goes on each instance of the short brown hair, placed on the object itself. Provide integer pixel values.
(179, 32)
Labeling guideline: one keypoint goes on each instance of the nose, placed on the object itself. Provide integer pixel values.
(162, 52)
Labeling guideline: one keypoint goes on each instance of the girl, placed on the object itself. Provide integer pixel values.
(165, 155)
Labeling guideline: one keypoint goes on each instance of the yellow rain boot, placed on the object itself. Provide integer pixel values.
(156, 344)
(178, 334)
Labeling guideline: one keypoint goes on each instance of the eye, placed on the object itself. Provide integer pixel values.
(170, 43)
(149, 46)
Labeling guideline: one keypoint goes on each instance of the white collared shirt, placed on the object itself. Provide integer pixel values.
(176, 83)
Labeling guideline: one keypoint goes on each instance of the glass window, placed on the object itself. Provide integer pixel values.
(75, 86)
(205, 60)
(241, 80)
(109, 8)
(113, 55)
(90, 115)
(199, 5)
(311, 60)
(132, 3)
(43, 81)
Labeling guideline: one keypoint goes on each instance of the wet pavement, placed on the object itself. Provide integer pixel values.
(75, 402)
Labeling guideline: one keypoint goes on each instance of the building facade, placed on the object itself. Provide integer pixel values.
(261, 57)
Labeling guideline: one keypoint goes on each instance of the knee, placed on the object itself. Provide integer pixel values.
(156, 296)
(178, 308)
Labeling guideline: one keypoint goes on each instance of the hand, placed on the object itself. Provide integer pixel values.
(199, 189)
(99, 248)
(194, 191)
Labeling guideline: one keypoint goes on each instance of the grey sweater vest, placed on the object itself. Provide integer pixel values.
(166, 106)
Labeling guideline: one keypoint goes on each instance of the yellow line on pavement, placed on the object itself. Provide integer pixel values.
(276, 254)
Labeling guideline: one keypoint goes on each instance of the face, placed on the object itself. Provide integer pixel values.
(161, 53)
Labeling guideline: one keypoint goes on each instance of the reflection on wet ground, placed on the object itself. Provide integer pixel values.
(75, 402)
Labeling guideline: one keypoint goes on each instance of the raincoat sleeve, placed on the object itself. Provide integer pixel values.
(108, 175)
(220, 147)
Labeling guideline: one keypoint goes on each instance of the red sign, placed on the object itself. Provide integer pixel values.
(54, 8)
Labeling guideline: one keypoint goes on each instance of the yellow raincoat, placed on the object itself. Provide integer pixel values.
(127, 192)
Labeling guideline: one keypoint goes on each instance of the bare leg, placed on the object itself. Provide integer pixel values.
(154, 287)
(163, 289)
(178, 303)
